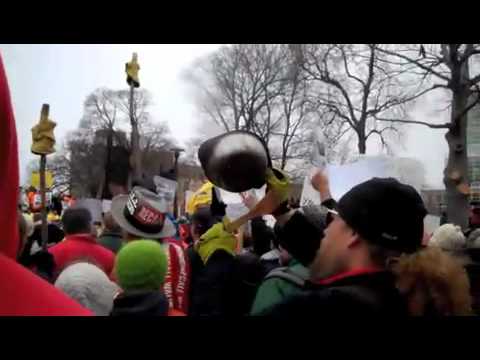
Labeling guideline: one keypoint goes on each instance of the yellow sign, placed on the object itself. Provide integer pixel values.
(35, 181)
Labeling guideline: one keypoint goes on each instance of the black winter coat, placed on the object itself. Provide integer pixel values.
(365, 294)
(213, 285)
(262, 236)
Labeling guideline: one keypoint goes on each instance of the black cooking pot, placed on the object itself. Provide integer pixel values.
(236, 161)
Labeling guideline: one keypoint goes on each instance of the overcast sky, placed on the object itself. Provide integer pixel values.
(63, 75)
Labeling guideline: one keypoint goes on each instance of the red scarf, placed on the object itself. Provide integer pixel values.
(343, 275)
(177, 279)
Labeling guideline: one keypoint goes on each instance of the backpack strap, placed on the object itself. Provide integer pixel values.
(287, 274)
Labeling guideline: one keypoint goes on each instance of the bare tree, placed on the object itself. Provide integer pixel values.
(80, 163)
(357, 88)
(256, 87)
(155, 136)
(237, 82)
(101, 114)
(142, 99)
(294, 115)
(105, 111)
(446, 66)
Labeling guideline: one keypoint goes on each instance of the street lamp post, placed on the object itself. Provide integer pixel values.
(176, 151)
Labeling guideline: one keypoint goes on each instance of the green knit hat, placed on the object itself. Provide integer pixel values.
(141, 265)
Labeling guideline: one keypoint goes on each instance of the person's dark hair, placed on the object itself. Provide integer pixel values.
(76, 221)
(202, 220)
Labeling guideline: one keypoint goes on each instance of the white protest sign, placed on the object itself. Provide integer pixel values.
(93, 205)
(310, 196)
(166, 189)
(343, 177)
(106, 205)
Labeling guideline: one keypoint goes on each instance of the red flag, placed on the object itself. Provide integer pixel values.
(22, 292)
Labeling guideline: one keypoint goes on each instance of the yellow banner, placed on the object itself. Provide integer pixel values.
(35, 181)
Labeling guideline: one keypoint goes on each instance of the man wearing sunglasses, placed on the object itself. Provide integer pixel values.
(372, 224)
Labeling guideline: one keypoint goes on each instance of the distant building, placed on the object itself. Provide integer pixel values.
(473, 152)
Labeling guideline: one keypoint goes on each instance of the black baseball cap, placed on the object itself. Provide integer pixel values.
(386, 213)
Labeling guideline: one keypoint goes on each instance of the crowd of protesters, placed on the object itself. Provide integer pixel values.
(363, 254)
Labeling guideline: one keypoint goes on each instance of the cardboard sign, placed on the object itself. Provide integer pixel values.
(166, 190)
(35, 179)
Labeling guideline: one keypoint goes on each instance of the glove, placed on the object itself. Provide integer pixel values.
(279, 183)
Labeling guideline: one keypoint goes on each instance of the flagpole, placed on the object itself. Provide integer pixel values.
(43, 162)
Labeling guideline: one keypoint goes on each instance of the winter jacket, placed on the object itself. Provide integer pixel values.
(140, 303)
(212, 293)
(276, 289)
(262, 236)
(351, 294)
(111, 240)
(81, 247)
(196, 271)
(247, 277)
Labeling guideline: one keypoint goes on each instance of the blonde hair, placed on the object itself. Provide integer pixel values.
(440, 276)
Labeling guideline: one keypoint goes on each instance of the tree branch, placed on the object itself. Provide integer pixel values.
(416, 62)
(433, 126)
